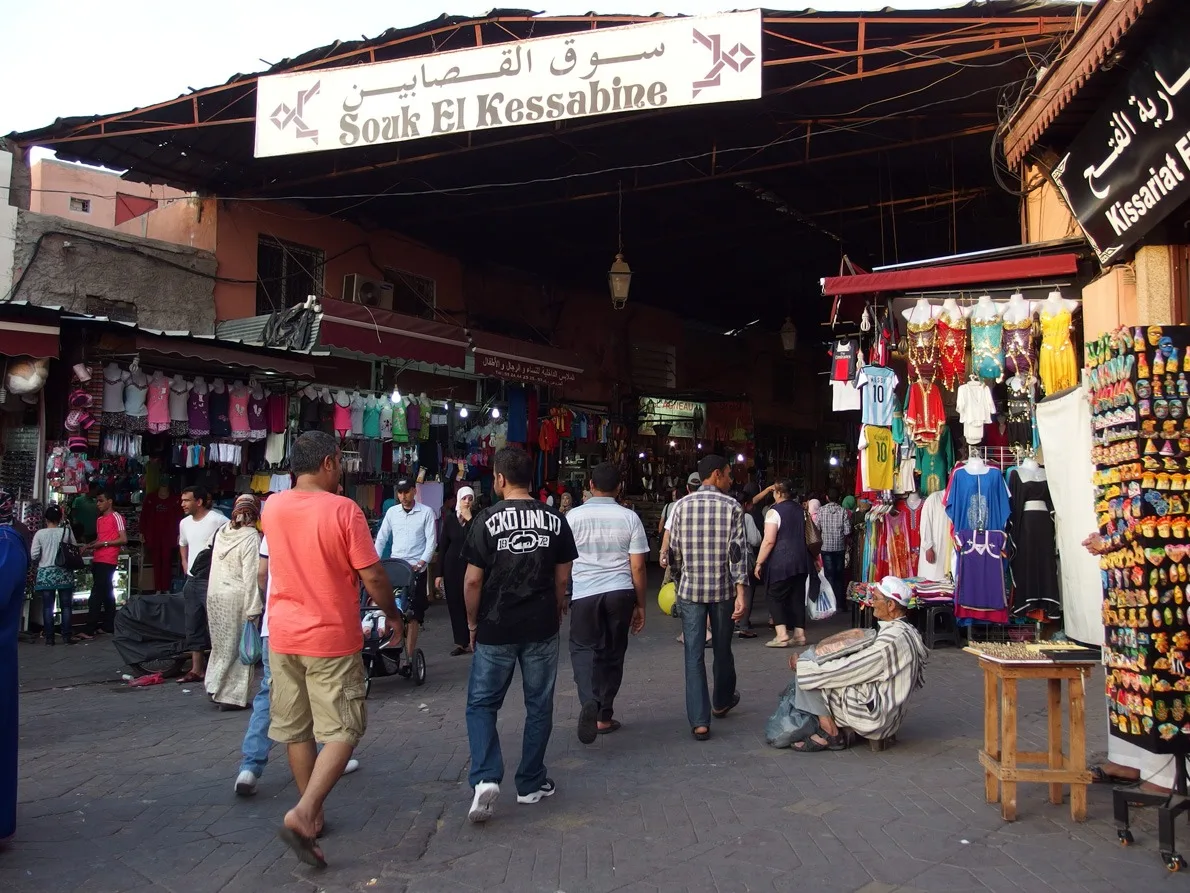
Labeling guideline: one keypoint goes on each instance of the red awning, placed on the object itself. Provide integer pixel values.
(955, 274)
(28, 339)
(384, 335)
(514, 360)
(211, 351)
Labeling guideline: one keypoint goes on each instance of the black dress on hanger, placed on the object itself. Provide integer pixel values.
(1034, 557)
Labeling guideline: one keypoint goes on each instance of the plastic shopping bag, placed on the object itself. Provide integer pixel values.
(789, 725)
(824, 607)
(251, 647)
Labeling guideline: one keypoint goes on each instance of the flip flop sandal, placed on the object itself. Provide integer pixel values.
(188, 678)
(778, 643)
(735, 702)
(745, 634)
(305, 848)
(704, 735)
(1098, 776)
(614, 727)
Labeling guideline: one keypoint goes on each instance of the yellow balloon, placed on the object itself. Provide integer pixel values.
(667, 597)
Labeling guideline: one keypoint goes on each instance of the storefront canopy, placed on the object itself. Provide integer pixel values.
(210, 350)
(951, 275)
(20, 338)
(383, 335)
(514, 360)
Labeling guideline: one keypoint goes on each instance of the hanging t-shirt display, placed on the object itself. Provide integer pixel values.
(876, 457)
(877, 385)
(845, 359)
(845, 397)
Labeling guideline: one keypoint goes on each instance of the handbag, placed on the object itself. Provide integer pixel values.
(69, 557)
(813, 536)
(251, 647)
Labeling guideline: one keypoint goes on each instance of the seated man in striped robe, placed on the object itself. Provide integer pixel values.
(866, 691)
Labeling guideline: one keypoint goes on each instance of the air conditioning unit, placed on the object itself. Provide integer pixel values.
(370, 292)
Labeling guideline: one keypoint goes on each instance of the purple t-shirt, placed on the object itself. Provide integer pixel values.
(413, 416)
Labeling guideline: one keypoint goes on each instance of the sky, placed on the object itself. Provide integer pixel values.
(78, 57)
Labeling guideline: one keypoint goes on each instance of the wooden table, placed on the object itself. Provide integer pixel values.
(1000, 758)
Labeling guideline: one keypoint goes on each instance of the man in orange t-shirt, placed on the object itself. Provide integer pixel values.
(320, 550)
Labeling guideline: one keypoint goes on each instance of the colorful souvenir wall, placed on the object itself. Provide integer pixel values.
(1140, 390)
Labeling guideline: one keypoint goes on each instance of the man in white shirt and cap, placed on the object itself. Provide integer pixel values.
(409, 532)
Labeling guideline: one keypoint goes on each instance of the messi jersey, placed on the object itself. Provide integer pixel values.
(879, 388)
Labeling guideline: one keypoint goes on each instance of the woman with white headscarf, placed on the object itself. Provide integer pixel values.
(233, 596)
(455, 526)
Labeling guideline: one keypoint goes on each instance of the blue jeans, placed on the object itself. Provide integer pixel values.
(492, 669)
(694, 624)
(256, 740)
(65, 599)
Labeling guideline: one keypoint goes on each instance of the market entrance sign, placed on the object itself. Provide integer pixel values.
(1129, 168)
(670, 62)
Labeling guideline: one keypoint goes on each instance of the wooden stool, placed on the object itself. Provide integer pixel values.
(1000, 757)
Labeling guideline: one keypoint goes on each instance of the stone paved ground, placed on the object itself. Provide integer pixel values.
(130, 791)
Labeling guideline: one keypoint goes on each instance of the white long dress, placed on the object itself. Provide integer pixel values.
(935, 534)
(232, 597)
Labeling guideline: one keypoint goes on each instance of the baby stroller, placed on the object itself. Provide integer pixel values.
(382, 655)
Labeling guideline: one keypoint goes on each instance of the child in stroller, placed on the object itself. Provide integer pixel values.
(381, 654)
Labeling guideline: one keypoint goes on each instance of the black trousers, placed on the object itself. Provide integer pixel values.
(101, 606)
(787, 599)
(457, 606)
(599, 628)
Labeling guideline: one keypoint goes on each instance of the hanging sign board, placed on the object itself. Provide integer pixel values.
(1129, 168)
(684, 417)
(669, 62)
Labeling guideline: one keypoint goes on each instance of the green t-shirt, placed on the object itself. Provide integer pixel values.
(84, 512)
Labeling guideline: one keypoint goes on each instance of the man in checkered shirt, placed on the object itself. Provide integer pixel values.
(834, 523)
(707, 538)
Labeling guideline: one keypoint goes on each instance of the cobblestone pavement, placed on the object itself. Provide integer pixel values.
(130, 791)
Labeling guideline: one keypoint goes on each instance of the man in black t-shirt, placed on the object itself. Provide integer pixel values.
(518, 555)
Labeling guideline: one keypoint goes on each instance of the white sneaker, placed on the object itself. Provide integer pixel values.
(246, 784)
(483, 804)
(547, 789)
(351, 766)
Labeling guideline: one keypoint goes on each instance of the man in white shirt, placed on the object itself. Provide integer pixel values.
(608, 601)
(195, 534)
(409, 532)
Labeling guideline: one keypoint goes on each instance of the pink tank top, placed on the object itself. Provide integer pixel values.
(238, 410)
(342, 420)
(158, 405)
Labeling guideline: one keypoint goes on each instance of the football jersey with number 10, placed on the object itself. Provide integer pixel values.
(879, 388)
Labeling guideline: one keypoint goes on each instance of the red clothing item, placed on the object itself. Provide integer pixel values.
(925, 416)
(548, 438)
(913, 528)
(159, 519)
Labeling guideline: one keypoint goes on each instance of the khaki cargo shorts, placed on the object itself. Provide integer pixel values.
(317, 698)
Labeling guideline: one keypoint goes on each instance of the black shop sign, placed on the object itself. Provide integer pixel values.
(1129, 168)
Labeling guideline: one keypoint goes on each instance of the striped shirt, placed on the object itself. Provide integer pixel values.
(707, 536)
(606, 534)
(833, 523)
(868, 691)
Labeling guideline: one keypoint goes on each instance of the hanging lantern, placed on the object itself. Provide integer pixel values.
(619, 279)
(789, 336)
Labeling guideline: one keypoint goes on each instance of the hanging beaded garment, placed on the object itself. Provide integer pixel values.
(923, 351)
(952, 349)
(1019, 357)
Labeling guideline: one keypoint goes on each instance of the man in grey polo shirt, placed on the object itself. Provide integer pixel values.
(608, 602)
